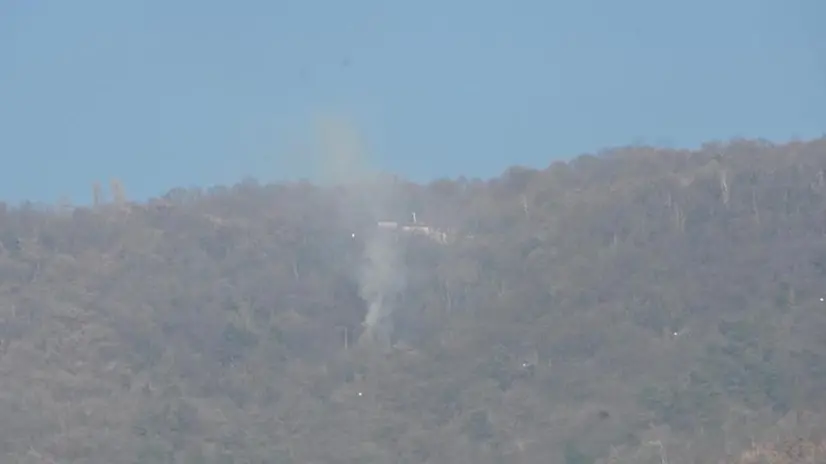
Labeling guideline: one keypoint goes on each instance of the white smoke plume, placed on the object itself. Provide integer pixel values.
(381, 280)
(344, 162)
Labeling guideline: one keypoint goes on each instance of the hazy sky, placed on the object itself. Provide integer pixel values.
(180, 93)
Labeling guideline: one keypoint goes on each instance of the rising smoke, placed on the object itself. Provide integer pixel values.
(344, 162)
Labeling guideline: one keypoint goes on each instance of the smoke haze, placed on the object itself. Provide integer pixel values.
(344, 162)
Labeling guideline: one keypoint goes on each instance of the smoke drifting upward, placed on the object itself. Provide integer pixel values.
(343, 159)
(344, 163)
(381, 279)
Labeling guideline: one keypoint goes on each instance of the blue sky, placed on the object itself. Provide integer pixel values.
(162, 94)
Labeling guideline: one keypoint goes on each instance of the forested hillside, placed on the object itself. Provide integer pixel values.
(634, 306)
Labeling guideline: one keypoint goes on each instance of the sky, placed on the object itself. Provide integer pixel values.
(163, 94)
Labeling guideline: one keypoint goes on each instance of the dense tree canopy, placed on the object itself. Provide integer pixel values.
(612, 308)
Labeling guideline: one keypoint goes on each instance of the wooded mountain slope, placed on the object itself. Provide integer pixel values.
(613, 308)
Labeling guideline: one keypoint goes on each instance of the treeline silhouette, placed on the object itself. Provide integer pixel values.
(635, 306)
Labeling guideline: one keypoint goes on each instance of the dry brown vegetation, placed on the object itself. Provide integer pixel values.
(638, 306)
